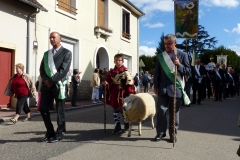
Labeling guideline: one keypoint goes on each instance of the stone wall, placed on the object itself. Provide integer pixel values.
(84, 92)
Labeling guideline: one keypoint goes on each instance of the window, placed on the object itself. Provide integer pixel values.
(102, 20)
(101, 13)
(67, 6)
(126, 24)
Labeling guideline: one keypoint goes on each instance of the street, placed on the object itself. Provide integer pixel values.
(207, 131)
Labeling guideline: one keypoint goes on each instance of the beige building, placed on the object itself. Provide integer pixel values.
(17, 32)
(94, 30)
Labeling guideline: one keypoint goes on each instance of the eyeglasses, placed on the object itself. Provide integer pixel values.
(118, 60)
(168, 44)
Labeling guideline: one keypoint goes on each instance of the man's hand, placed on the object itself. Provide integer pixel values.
(156, 91)
(176, 62)
(47, 83)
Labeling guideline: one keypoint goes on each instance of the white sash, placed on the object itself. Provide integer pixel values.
(199, 75)
(231, 78)
(51, 62)
(171, 66)
(218, 75)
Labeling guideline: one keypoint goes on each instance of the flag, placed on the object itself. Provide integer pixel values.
(194, 57)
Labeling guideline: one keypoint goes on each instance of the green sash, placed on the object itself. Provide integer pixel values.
(166, 64)
(50, 70)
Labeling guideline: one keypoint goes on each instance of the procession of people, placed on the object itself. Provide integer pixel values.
(218, 82)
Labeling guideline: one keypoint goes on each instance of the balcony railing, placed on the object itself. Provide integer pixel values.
(66, 6)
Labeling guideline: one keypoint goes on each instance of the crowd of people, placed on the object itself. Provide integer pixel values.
(218, 82)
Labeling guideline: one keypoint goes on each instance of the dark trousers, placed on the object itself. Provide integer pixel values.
(218, 91)
(100, 91)
(188, 87)
(230, 90)
(74, 96)
(164, 105)
(22, 105)
(197, 87)
(204, 91)
(224, 91)
(209, 90)
(46, 100)
(145, 87)
(237, 88)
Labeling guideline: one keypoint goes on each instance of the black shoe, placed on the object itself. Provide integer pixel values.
(199, 103)
(188, 105)
(44, 139)
(55, 139)
(172, 139)
(215, 99)
(159, 137)
(117, 130)
(74, 105)
(126, 126)
(220, 100)
(193, 103)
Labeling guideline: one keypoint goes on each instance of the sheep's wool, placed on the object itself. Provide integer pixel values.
(142, 106)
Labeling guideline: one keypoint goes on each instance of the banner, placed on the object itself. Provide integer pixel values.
(222, 59)
(186, 18)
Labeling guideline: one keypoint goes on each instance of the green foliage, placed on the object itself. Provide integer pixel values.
(149, 62)
(233, 59)
(202, 43)
(161, 46)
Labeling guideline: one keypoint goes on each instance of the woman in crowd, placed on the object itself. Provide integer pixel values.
(22, 86)
(75, 83)
(95, 83)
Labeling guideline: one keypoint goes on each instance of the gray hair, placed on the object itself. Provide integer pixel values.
(171, 37)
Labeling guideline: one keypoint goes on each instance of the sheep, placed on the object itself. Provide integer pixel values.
(137, 108)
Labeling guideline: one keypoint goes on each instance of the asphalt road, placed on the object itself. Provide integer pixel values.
(207, 132)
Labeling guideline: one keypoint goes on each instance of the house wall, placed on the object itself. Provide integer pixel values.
(13, 31)
(82, 30)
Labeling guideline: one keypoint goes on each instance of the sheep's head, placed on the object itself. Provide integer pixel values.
(127, 103)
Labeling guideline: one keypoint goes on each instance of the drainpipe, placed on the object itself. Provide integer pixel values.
(28, 41)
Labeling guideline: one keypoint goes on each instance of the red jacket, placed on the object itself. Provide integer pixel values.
(120, 86)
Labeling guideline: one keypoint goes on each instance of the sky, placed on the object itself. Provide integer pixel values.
(220, 18)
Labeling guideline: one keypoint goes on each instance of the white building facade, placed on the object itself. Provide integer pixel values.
(94, 30)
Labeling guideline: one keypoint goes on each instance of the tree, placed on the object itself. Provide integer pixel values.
(149, 63)
(233, 59)
(161, 46)
(202, 43)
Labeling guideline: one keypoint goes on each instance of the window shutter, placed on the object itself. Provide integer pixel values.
(101, 13)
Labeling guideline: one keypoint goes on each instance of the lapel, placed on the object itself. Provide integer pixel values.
(58, 53)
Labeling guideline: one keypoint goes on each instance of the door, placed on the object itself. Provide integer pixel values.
(6, 65)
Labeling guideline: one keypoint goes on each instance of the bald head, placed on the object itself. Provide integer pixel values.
(55, 39)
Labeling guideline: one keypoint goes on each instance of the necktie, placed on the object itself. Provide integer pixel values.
(53, 52)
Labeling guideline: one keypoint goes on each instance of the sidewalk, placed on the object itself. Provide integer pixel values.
(7, 113)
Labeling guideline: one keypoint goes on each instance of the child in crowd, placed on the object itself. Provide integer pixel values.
(119, 83)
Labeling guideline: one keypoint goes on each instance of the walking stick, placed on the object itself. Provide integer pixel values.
(105, 86)
(174, 100)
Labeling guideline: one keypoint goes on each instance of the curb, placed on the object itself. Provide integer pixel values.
(7, 119)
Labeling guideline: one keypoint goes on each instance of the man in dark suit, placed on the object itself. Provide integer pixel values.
(198, 73)
(218, 81)
(164, 86)
(225, 74)
(53, 70)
